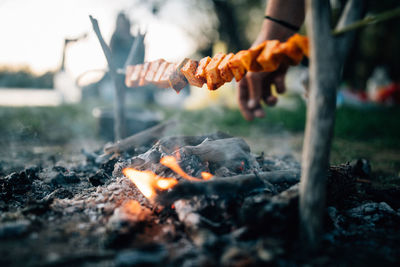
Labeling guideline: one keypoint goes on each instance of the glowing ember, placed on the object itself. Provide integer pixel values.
(166, 183)
(172, 163)
(206, 175)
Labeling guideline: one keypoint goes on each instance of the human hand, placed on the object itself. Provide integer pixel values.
(255, 88)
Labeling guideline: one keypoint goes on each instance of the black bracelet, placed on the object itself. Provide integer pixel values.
(284, 23)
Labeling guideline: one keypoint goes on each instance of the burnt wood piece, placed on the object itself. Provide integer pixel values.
(194, 223)
(169, 144)
(326, 60)
(228, 186)
(143, 138)
(272, 215)
(232, 153)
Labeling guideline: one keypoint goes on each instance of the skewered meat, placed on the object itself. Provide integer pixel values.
(224, 69)
(189, 71)
(160, 73)
(213, 77)
(269, 59)
(151, 73)
(177, 80)
(236, 66)
(143, 73)
(201, 69)
(266, 57)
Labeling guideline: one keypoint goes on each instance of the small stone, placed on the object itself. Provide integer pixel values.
(14, 229)
(99, 178)
(16, 183)
(144, 257)
(58, 178)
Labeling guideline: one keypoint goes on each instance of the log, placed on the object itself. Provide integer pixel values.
(170, 144)
(232, 153)
(325, 67)
(228, 186)
(119, 98)
(143, 138)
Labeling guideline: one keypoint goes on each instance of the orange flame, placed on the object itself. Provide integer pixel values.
(172, 163)
(206, 175)
(148, 182)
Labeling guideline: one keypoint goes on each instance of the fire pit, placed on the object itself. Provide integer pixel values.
(206, 200)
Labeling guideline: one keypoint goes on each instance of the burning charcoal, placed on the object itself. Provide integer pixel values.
(99, 178)
(361, 168)
(108, 166)
(16, 183)
(236, 257)
(32, 172)
(372, 212)
(14, 229)
(61, 178)
(148, 256)
(268, 249)
(341, 183)
(60, 193)
(127, 220)
(389, 195)
(193, 222)
(1, 169)
(225, 187)
(278, 215)
(59, 168)
(38, 207)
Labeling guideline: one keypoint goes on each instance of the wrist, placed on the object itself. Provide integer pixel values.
(271, 30)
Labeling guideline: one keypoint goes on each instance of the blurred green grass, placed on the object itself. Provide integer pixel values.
(45, 124)
(372, 133)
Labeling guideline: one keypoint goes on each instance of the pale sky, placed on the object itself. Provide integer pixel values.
(32, 32)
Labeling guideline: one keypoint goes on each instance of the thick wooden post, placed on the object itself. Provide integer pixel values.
(326, 60)
(320, 121)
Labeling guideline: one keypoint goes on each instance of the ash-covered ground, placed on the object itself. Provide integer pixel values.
(78, 209)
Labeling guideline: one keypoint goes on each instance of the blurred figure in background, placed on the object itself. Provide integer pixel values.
(121, 40)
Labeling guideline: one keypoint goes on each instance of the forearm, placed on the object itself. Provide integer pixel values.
(290, 11)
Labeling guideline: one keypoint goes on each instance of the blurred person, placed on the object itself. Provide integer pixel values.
(121, 40)
(283, 18)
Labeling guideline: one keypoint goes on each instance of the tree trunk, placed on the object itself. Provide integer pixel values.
(326, 60)
(324, 76)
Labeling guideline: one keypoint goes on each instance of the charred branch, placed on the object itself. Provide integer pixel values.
(144, 138)
(229, 186)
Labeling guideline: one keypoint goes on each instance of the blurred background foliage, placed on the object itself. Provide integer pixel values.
(24, 77)
(372, 132)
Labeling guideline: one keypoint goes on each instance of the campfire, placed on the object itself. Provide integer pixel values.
(153, 199)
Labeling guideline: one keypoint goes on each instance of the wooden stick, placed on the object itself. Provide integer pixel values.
(371, 19)
(228, 185)
(325, 66)
(119, 110)
(145, 137)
